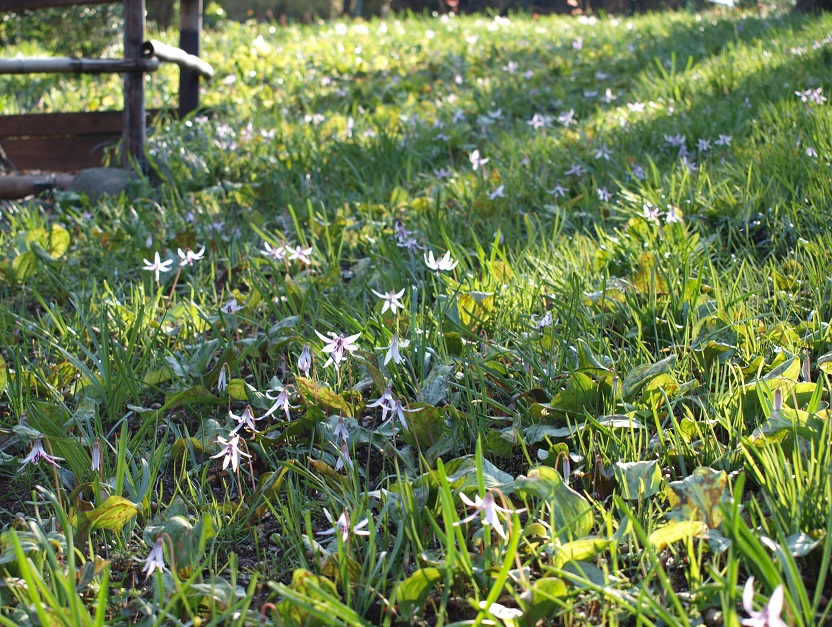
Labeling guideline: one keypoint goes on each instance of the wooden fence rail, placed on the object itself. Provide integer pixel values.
(70, 141)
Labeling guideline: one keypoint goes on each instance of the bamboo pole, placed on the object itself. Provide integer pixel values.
(171, 54)
(69, 65)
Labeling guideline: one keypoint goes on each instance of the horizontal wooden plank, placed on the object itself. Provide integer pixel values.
(58, 154)
(62, 124)
(47, 124)
(30, 5)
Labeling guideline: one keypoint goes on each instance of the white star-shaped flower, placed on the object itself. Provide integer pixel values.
(391, 301)
(188, 257)
(489, 509)
(443, 263)
(337, 347)
(158, 265)
(342, 526)
(230, 452)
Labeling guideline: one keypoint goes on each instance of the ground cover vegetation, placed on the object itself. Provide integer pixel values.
(438, 321)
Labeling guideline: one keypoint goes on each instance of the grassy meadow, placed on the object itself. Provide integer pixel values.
(434, 321)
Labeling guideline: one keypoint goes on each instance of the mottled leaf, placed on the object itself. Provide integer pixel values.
(322, 396)
(699, 496)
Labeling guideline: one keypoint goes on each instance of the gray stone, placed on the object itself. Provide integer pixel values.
(97, 182)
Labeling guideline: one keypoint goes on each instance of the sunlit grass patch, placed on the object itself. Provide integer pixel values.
(430, 321)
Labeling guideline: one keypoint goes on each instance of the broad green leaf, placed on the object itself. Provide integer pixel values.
(196, 395)
(648, 278)
(216, 593)
(674, 531)
(637, 480)
(426, 425)
(437, 385)
(825, 363)
(655, 389)
(4, 378)
(453, 343)
(538, 433)
(572, 512)
(639, 375)
(315, 590)
(801, 544)
(539, 601)
(239, 390)
(579, 550)
(501, 443)
(789, 369)
(588, 360)
(413, 592)
(332, 476)
(24, 265)
(189, 540)
(462, 475)
(57, 241)
(89, 571)
(581, 394)
(474, 308)
(181, 446)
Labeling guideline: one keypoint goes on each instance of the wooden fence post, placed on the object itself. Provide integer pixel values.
(190, 27)
(134, 112)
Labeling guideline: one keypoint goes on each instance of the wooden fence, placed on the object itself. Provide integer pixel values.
(71, 141)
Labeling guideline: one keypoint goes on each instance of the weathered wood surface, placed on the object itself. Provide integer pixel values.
(135, 130)
(61, 141)
(52, 124)
(190, 27)
(59, 154)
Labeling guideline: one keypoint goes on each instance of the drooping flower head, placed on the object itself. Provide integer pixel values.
(391, 301)
(281, 401)
(337, 347)
(489, 509)
(188, 257)
(393, 350)
(769, 615)
(245, 420)
(342, 526)
(39, 453)
(230, 452)
(156, 559)
(305, 361)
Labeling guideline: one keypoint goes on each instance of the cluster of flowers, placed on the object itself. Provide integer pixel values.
(186, 258)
